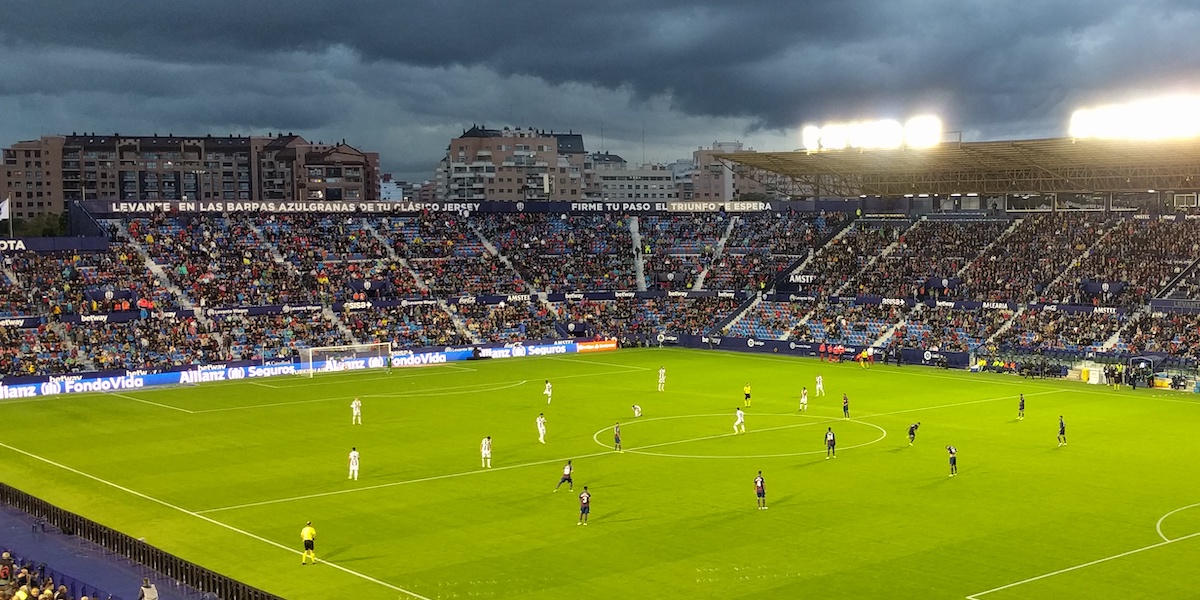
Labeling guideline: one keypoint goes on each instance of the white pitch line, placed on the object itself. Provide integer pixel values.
(953, 404)
(309, 380)
(598, 362)
(480, 387)
(976, 595)
(158, 404)
(399, 483)
(1158, 525)
(209, 520)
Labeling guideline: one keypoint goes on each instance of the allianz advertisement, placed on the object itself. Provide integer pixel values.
(135, 380)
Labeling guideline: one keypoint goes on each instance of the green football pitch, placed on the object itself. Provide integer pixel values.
(227, 474)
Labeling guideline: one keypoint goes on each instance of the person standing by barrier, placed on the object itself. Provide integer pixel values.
(148, 591)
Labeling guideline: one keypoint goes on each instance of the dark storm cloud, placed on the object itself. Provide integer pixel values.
(415, 72)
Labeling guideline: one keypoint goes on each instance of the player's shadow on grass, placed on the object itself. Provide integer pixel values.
(609, 517)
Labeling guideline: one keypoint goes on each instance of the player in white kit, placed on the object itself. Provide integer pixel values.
(485, 452)
(548, 391)
(353, 464)
(637, 411)
(356, 412)
(803, 399)
(741, 421)
(820, 386)
(541, 425)
(662, 378)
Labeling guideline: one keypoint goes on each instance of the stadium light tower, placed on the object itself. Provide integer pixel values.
(1167, 117)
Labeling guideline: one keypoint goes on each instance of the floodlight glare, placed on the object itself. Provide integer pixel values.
(923, 132)
(1150, 119)
(919, 132)
(811, 136)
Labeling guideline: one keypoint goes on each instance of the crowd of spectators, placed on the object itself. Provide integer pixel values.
(1040, 330)
(693, 316)
(219, 261)
(508, 321)
(753, 270)
(787, 233)
(20, 579)
(474, 275)
(36, 351)
(674, 271)
(843, 323)
(949, 330)
(275, 336)
(684, 233)
(1021, 266)
(769, 320)
(842, 258)
(608, 318)
(148, 343)
(560, 253)
(408, 326)
(75, 282)
(1144, 255)
(1188, 288)
(932, 250)
(431, 235)
(1175, 334)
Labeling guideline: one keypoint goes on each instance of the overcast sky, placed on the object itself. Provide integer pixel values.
(402, 77)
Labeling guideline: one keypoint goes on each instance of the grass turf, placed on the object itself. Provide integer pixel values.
(227, 474)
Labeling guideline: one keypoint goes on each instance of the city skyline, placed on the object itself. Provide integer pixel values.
(404, 79)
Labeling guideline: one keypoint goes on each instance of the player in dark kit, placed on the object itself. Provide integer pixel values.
(1021, 409)
(830, 444)
(760, 490)
(1062, 432)
(616, 438)
(845, 406)
(953, 460)
(585, 506)
(912, 432)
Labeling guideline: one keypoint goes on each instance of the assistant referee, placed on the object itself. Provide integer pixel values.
(309, 535)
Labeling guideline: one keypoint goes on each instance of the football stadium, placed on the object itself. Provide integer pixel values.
(911, 370)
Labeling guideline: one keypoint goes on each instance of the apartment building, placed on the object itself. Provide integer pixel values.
(45, 175)
(514, 165)
(614, 180)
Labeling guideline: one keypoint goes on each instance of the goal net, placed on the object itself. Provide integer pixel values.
(351, 357)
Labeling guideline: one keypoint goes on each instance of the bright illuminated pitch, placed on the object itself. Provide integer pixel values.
(919, 132)
(1168, 117)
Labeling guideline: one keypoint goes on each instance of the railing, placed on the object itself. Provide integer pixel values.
(166, 564)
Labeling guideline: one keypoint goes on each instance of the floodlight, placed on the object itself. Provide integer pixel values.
(923, 131)
(811, 136)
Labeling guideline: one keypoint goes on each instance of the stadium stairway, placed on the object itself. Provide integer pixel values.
(639, 261)
(459, 324)
(387, 244)
(85, 358)
(1005, 327)
(716, 257)
(800, 264)
(738, 313)
(1183, 274)
(885, 336)
(1099, 240)
(491, 248)
(155, 268)
(874, 259)
(984, 251)
(337, 322)
(1111, 343)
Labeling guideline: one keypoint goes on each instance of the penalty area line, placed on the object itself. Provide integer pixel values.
(210, 520)
(976, 595)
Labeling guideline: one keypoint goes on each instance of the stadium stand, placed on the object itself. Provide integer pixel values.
(931, 250)
(174, 261)
(565, 253)
(1033, 255)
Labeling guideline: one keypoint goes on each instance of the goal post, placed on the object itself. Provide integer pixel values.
(350, 357)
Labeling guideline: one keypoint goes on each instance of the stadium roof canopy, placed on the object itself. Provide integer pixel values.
(986, 168)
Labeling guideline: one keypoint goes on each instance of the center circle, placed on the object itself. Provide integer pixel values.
(720, 432)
